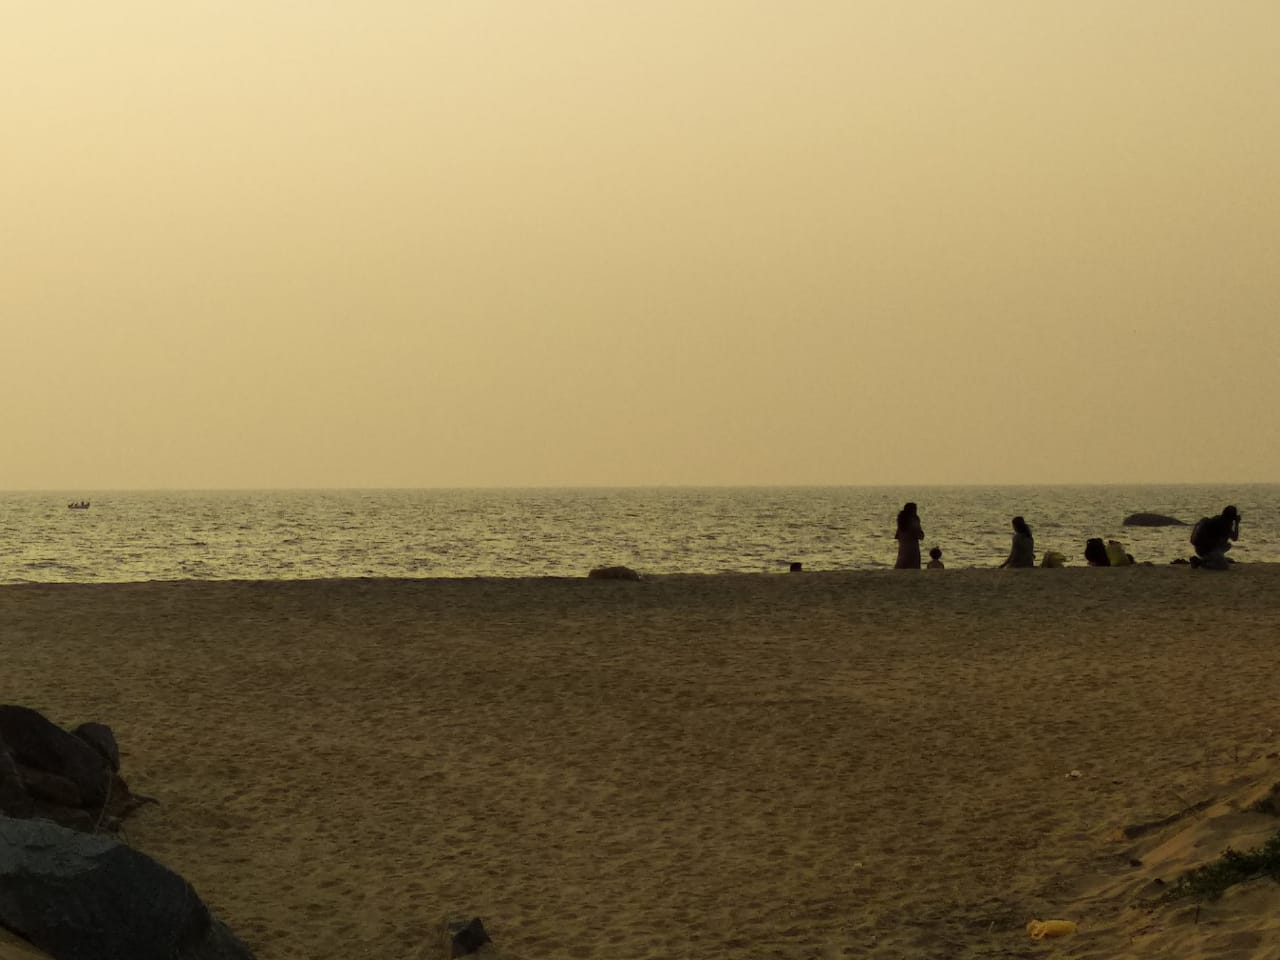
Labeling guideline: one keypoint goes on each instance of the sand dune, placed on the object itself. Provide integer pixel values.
(1133, 922)
(812, 765)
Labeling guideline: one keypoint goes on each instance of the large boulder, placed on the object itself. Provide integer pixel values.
(1152, 520)
(41, 744)
(71, 779)
(15, 801)
(80, 896)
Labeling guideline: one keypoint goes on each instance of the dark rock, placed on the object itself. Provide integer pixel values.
(58, 799)
(14, 799)
(78, 896)
(49, 787)
(466, 936)
(73, 818)
(48, 773)
(797, 566)
(1152, 520)
(100, 737)
(613, 573)
(41, 744)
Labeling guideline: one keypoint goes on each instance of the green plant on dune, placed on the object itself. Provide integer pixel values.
(1212, 880)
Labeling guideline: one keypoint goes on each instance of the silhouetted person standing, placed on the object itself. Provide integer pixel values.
(1022, 552)
(909, 534)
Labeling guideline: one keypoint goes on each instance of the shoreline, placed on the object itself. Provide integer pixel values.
(887, 569)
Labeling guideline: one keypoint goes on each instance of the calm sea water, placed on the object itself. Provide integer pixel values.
(275, 535)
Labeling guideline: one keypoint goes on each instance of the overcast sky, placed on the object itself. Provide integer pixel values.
(540, 242)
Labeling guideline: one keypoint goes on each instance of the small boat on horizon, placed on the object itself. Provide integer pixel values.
(78, 505)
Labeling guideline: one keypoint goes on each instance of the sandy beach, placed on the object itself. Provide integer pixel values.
(813, 765)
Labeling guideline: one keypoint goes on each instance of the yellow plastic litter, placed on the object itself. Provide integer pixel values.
(1046, 929)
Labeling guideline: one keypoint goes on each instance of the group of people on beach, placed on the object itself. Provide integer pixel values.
(1211, 537)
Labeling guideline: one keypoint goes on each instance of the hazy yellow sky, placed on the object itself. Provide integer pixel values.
(542, 242)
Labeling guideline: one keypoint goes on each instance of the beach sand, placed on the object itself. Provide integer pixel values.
(810, 765)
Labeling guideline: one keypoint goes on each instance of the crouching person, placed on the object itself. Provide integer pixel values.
(1212, 538)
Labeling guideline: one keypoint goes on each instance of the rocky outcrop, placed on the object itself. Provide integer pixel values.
(89, 897)
(1152, 520)
(70, 779)
(36, 742)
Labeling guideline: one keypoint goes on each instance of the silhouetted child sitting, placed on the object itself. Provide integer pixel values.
(1095, 551)
(935, 559)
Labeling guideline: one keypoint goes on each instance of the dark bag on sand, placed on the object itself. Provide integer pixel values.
(1095, 551)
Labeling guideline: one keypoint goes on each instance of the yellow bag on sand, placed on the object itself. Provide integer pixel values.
(1044, 929)
(1117, 555)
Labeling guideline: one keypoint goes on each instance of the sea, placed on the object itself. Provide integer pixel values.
(133, 536)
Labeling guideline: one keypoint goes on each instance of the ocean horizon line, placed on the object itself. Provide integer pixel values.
(1137, 484)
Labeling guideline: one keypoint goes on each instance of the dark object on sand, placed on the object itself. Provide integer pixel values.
(48, 773)
(613, 573)
(464, 937)
(797, 566)
(82, 897)
(1152, 520)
